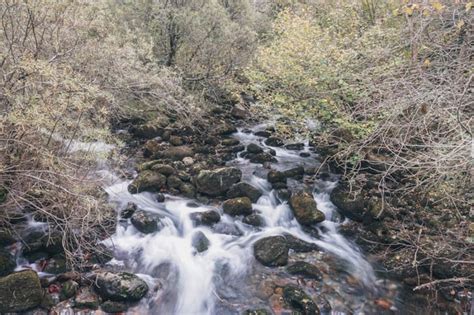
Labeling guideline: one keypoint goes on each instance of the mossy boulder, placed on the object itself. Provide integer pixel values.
(276, 177)
(352, 206)
(254, 148)
(7, 263)
(237, 206)
(305, 209)
(122, 286)
(217, 182)
(68, 290)
(298, 300)
(164, 169)
(271, 251)
(147, 181)
(86, 299)
(20, 291)
(114, 307)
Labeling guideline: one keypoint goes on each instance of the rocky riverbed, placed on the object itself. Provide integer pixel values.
(232, 221)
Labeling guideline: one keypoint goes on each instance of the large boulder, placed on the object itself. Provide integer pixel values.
(145, 222)
(7, 263)
(122, 286)
(276, 177)
(271, 251)
(305, 209)
(296, 298)
(254, 148)
(20, 291)
(147, 181)
(218, 181)
(351, 206)
(243, 189)
(237, 206)
(296, 172)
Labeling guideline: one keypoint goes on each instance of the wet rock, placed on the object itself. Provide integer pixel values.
(187, 190)
(239, 112)
(299, 300)
(205, 218)
(128, 211)
(7, 263)
(200, 242)
(87, 299)
(263, 133)
(254, 220)
(160, 197)
(20, 291)
(279, 185)
(237, 206)
(176, 140)
(260, 311)
(174, 181)
(352, 207)
(230, 142)
(299, 245)
(122, 286)
(272, 152)
(254, 148)
(38, 244)
(56, 264)
(6, 237)
(164, 169)
(305, 209)
(145, 222)
(225, 129)
(305, 154)
(271, 251)
(262, 158)
(217, 182)
(276, 176)
(226, 228)
(114, 307)
(243, 189)
(176, 153)
(304, 269)
(274, 142)
(68, 290)
(295, 146)
(147, 181)
(238, 148)
(283, 194)
(211, 140)
(296, 172)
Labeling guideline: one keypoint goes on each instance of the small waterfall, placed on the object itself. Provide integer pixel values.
(194, 283)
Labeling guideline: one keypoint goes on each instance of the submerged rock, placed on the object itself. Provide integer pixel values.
(304, 269)
(237, 206)
(205, 218)
(243, 189)
(305, 209)
(145, 222)
(200, 242)
(299, 300)
(20, 291)
(122, 286)
(217, 182)
(271, 251)
(147, 181)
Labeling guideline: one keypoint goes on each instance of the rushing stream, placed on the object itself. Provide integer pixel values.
(226, 278)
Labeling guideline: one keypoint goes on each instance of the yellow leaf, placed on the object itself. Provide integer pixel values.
(427, 62)
(408, 10)
(437, 6)
(460, 24)
(469, 6)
